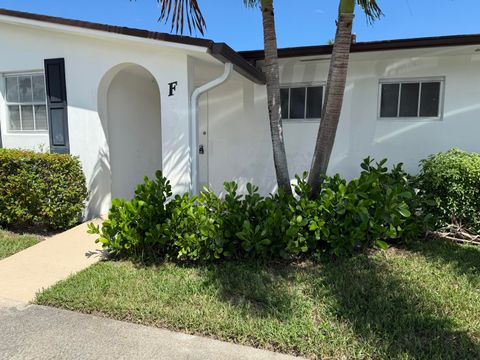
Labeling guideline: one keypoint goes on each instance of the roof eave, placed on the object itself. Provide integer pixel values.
(225, 53)
(104, 28)
(220, 51)
(402, 44)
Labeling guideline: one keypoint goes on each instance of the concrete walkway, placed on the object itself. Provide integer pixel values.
(37, 332)
(29, 271)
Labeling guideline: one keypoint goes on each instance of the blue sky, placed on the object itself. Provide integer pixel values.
(312, 23)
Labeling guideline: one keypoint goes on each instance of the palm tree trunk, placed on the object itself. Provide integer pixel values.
(272, 74)
(332, 107)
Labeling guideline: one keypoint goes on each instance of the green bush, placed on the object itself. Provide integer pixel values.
(40, 189)
(372, 210)
(138, 226)
(379, 206)
(451, 181)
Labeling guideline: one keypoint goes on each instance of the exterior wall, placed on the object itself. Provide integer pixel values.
(239, 146)
(134, 129)
(239, 134)
(89, 62)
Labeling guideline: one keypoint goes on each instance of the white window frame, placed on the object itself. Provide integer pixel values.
(419, 80)
(305, 85)
(4, 78)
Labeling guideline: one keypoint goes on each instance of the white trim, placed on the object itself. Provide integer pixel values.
(412, 80)
(20, 73)
(301, 121)
(96, 33)
(303, 83)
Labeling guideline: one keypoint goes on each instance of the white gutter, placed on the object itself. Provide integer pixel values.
(194, 122)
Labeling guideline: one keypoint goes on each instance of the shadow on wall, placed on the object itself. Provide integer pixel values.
(239, 145)
(99, 186)
(178, 160)
(130, 114)
(362, 134)
(402, 140)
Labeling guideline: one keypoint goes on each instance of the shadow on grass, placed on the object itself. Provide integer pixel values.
(388, 312)
(258, 290)
(395, 316)
(40, 231)
(465, 259)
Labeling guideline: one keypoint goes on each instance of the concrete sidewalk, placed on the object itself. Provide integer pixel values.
(29, 271)
(37, 332)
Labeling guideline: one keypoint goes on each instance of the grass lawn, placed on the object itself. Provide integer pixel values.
(420, 303)
(11, 243)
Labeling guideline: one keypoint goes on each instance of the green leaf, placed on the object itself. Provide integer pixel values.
(404, 211)
(103, 240)
(313, 226)
(382, 245)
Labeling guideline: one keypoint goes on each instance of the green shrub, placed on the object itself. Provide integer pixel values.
(377, 207)
(372, 210)
(138, 226)
(452, 182)
(40, 190)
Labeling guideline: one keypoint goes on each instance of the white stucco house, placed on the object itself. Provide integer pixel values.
(129, 102)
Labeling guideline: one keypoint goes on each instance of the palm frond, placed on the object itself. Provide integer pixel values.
(180, 12)
(251, 3)
(371, 9)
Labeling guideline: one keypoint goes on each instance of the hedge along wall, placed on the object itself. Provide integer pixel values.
(452, 181)
(40, 189)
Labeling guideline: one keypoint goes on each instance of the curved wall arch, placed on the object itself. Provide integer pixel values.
(129, 109)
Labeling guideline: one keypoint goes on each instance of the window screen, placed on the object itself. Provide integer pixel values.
(430, 100)
(409, 100)
(389, 102)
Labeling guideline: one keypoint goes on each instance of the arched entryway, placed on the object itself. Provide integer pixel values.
(132, 122)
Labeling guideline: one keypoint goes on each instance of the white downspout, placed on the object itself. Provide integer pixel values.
(194, 122)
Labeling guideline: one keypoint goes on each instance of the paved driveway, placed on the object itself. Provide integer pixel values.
(37, 332)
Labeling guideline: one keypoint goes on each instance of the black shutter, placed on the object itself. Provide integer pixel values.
(57, 105)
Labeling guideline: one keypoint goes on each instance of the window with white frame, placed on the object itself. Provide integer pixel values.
(25, 97)
(411, 99)
(302, 102)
